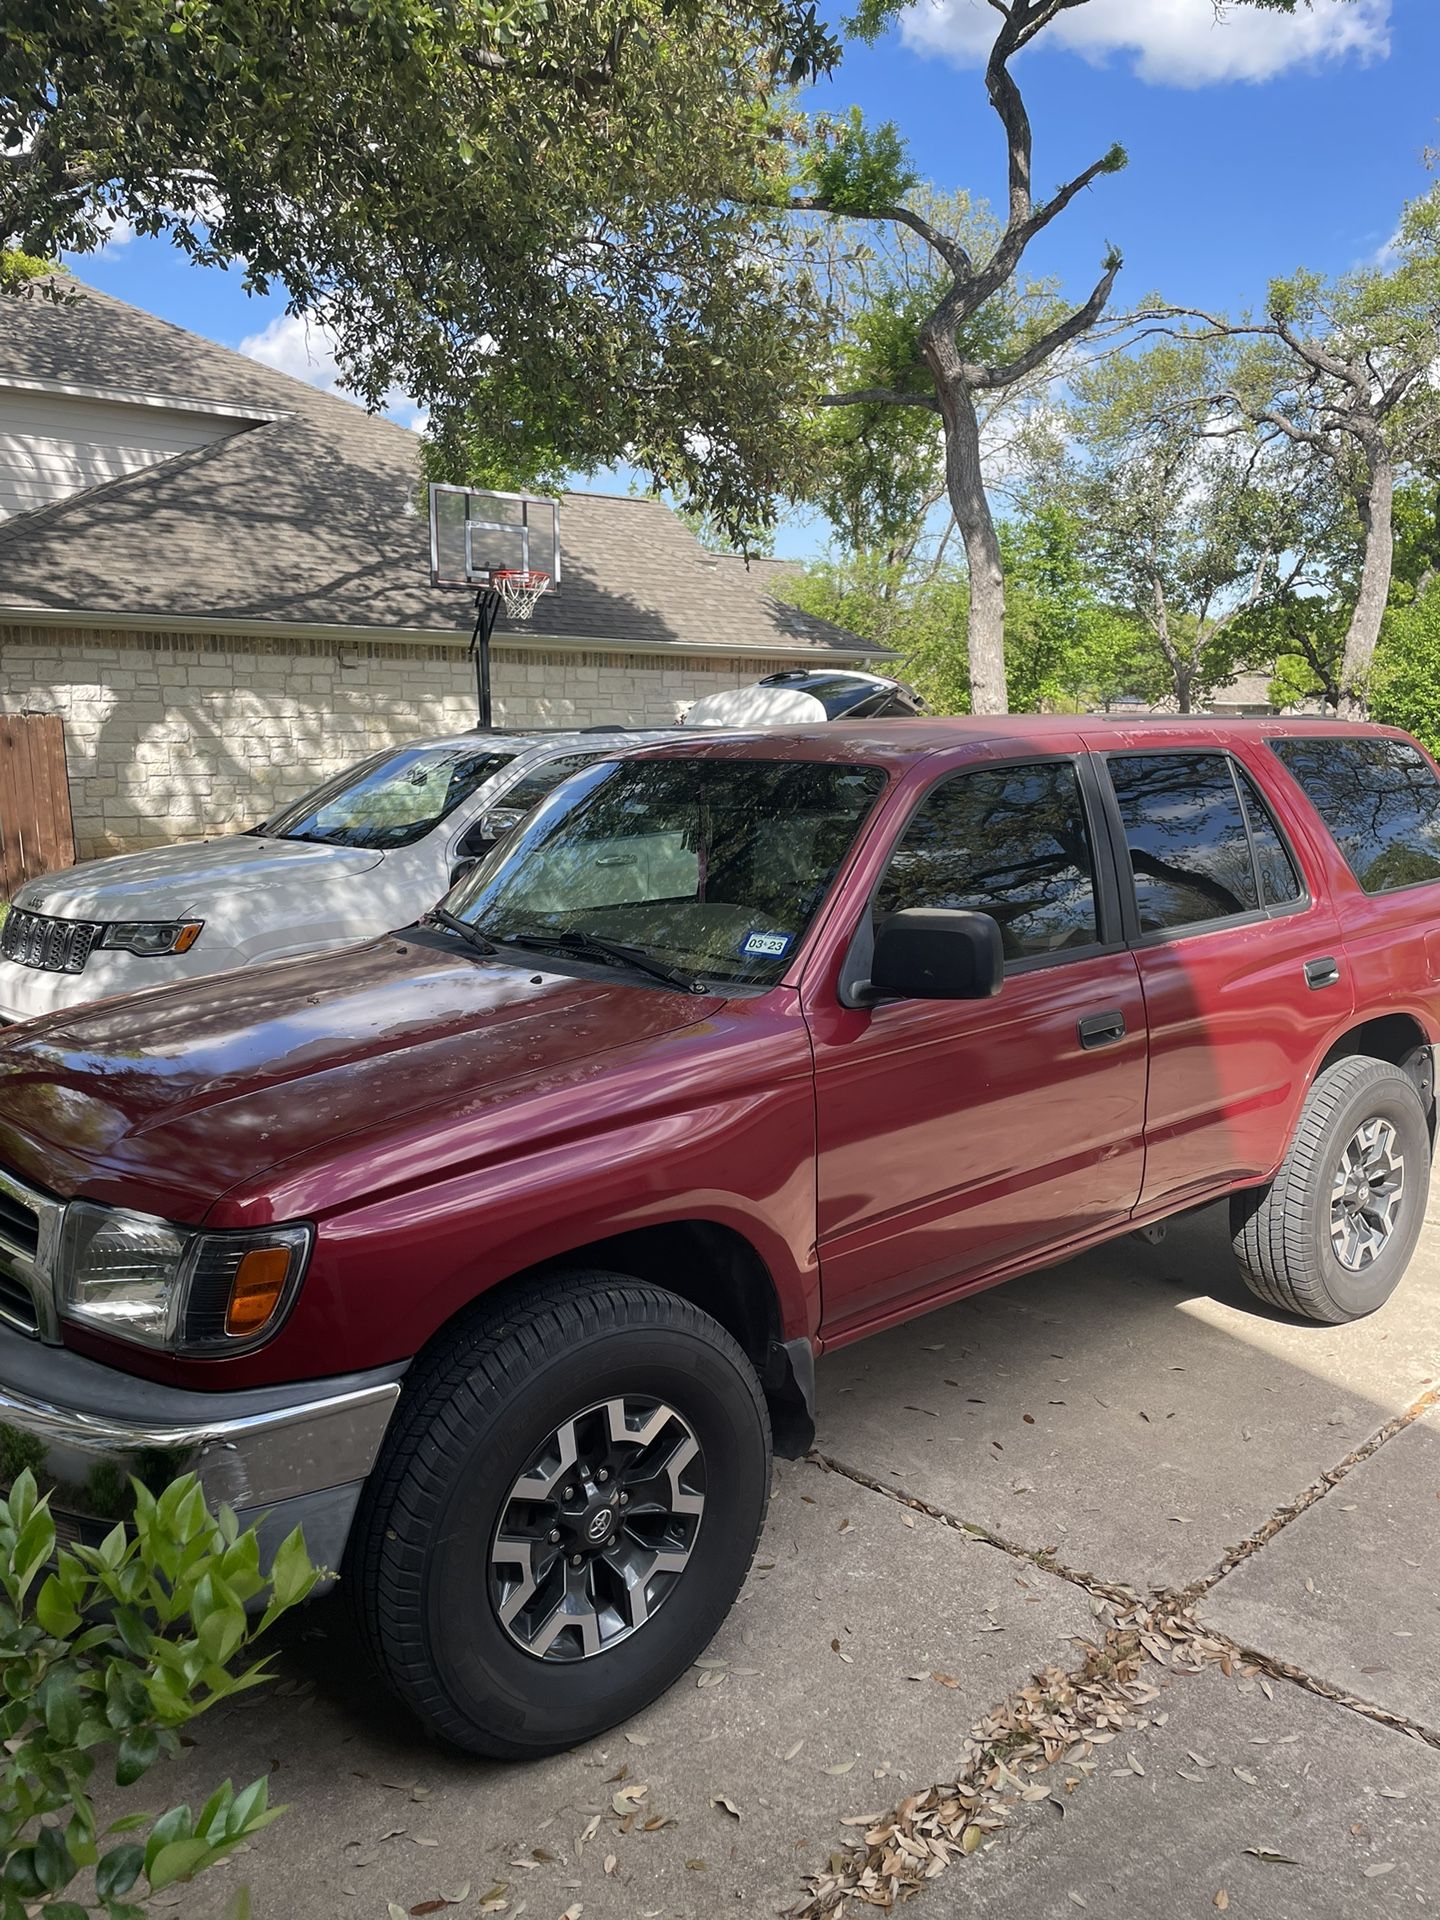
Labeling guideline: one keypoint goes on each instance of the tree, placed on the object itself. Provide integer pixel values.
(1194, 528)
(536, 218)
(877, 471)
(919, 616)
(1340, 371)
(1405, 687)
(857, 173)
(1065, 646)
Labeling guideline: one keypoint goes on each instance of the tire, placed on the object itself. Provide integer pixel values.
(1284, 1234)
(479, 1432)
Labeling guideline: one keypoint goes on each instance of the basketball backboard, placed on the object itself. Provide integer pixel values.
(476, 533)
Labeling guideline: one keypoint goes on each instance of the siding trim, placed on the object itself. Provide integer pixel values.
(98, 620)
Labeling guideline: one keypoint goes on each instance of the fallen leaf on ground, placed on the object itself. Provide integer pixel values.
(724, 1800)
(1270, 1857)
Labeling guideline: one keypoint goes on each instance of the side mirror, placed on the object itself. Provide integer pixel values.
(462, 867)
(935, 953)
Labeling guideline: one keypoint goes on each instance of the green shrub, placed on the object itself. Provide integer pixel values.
(106, 1656)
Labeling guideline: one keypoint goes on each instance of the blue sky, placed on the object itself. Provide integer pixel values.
(1256, 145)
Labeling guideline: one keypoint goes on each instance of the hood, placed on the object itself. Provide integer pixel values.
(167, 1099)
(169, 883)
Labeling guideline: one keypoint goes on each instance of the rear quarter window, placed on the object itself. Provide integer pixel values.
(1380, 800)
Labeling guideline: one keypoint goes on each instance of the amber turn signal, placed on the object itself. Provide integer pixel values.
(256, 1290)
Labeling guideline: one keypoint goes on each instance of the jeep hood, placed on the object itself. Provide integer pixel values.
(166, 1100)
(173, 883)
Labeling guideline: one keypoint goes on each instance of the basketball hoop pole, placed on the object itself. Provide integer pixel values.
(487, 608)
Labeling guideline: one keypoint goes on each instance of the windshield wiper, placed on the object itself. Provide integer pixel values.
(580, 942)
(443, 917)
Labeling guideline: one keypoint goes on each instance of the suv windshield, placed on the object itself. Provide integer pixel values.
(390, 801)
(716, 867)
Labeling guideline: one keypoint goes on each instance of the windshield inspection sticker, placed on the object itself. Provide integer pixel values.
(765, 946)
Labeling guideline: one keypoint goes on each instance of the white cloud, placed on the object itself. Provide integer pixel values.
(305, 348)
(118, 232)
(297, 346)
(1178, 43)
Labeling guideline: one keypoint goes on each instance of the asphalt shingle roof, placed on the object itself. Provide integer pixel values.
(316, 517)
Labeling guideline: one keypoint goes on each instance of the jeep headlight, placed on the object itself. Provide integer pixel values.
(137, 1277)
(149, 937)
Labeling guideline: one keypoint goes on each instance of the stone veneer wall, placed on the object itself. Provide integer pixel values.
(169, 736)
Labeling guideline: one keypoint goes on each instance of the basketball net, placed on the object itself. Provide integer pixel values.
(520, 589)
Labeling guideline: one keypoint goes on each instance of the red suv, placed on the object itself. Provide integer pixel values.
(497, 1250)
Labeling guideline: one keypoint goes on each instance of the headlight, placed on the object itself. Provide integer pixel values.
(143, 1279)
(147, 937)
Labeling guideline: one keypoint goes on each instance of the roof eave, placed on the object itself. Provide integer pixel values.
(95, 617)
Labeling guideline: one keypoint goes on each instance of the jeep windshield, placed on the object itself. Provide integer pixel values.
(391, 800)
(712, 867)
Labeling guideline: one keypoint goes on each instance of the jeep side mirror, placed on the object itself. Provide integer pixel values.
(935, 953)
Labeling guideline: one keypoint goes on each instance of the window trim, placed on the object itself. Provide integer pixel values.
(1273, 742)
(1108, 905)
(1240, 773)
(1135, 936)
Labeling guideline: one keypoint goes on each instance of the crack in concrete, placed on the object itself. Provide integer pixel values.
(1282, 1516)
(1166, 1621)
(1039, 1557)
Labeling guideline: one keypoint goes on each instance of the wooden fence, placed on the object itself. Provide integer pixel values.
(36, 832)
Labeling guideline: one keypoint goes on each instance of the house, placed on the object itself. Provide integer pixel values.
(219, 577)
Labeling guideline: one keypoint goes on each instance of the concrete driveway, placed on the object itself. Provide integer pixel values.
(1215, 1528)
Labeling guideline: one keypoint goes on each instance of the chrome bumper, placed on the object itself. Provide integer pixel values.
(84, 1430)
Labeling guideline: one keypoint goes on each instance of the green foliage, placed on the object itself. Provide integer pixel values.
(536, 217)
(1405, 681)
(110, 1652)
(1417, 538)
(921, 619)
(22, 273)
(1065, 648)
(854, 169)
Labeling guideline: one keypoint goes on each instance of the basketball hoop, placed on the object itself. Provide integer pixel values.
(519, 589)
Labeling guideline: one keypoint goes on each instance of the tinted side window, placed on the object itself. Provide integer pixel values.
(1189, 851)
(532, 789)
(1379, 798)
(1007, 841)
(1279, 882)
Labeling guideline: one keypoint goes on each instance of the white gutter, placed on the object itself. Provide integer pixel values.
(128, 397)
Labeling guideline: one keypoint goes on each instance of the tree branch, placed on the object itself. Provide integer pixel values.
(1049, 343)
(950, 251)
(878, 397)
(1317, 357)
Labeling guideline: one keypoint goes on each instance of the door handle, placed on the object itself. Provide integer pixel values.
(1101, 1029)
(1322, 973)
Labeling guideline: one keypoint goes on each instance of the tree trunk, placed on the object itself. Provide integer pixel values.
(965, 484)
(1376, 504)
